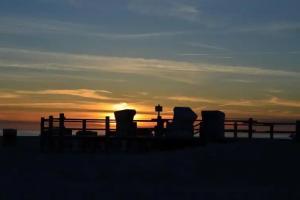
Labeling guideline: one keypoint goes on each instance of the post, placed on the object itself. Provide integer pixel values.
(107, 126)
(84, 125)
(42, 126)
(250, 128)
(61, 131)
(272, 131)
(61, 124)
(50, 131)
(297, 137)
(50, 142)
(235, 129)
(42, 134)
(159, 126)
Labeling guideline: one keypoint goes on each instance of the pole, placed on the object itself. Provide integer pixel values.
(250, 126)
(297, 137)
(235, 127)
(272, 131)
(84, 125)
(61, 131)
(42, 134)
(107, 126)
(50, 131)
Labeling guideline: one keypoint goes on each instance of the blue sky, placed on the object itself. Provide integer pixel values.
(238, 56)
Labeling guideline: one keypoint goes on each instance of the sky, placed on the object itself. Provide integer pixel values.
(88, 58)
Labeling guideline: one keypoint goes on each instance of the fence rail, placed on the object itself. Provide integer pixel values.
(233, 126)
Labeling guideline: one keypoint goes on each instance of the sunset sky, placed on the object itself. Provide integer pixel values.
(87, 58)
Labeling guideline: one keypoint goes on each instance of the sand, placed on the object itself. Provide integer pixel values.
(258, 169)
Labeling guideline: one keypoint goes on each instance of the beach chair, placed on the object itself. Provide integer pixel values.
(182, 124)
(212, 125)
(125, 124)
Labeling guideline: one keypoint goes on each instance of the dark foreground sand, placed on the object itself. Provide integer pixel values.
(258, 169)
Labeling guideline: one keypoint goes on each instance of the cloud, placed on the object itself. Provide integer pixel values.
(275, 91)
(8, 95)
(33, 26)
(273, 101)
(236, 102)
(244, 81)
(190, 99)
(270, 27)
(85, 93)
(284, 102)
(206, 46)
(168, 69)
(240, 103)
(184, 10)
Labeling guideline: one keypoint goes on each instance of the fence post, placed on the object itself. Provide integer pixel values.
(250, 126)
(42, 125)
(84, 125)
(61, 123)
(50, 131)
(272, 131)
(42, 134)
(107, 126)
(235, 129)
(159, 126)
(61, 131)
(297, 136)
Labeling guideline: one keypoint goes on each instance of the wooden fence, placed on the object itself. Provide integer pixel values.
(107, 126)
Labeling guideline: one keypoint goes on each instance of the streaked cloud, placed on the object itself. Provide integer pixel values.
(86, 93)
(270, 27)
(63, 61)
(190, 99)
(284, 102)
(236, 102)
(275, 91)
(185, 10)
(8, 95)
(206, 46)
(244, 81)
(39, 27)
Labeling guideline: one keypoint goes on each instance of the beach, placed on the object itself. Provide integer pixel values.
(241, 169)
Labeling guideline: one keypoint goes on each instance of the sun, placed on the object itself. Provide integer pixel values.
(120, 106)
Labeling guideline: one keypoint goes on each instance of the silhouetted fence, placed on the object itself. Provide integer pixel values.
(60, 133)
(107, 127)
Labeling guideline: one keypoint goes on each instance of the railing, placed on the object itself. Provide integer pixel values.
(232, 126)
(251, 127)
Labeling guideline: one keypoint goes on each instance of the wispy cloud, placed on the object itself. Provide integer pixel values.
(167, 8)
(152, 67)
(274, 91)
(206, 46)
(245, 81)
(190, 99)
(258, 103)
(284, 102)
(8, 95)
(33, 26)
(194, 54)
(86, 93)
(273, 101)
(270, 27)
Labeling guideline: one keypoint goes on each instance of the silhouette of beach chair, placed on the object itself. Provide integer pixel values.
(212, 125)
(182, 124)
(125, 124)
